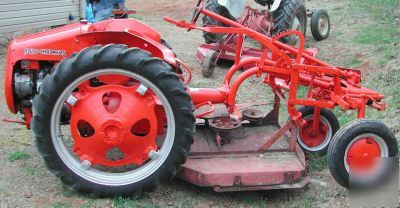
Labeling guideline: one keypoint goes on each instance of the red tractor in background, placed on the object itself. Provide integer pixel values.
(111, 114)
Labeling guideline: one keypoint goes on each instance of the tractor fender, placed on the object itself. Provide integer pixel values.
(127, 37)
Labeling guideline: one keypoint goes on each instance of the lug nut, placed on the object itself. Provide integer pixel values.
(86, 164)
(71, 100)
(142, 89)
(153, 154)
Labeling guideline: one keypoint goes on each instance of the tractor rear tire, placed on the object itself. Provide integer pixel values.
(213, 6)
(111, 58)
(284, 16)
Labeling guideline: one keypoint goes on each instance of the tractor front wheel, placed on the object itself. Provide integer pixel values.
(209, 63)
(320, 24)
(130, 126)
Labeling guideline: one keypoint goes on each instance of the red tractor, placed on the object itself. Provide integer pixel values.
(111, 115)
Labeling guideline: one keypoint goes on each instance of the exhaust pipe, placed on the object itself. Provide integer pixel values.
(82, 9)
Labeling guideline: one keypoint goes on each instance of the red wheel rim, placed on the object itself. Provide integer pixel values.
(113, 116)
(313, 139)
(362, 154)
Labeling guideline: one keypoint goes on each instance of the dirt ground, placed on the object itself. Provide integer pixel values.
(25, 181)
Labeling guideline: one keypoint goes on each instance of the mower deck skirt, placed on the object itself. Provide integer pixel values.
(237, 166)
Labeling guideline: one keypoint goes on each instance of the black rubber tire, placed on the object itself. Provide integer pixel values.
(344, 137)
(213, 6)
(316, 15)
(284, 16)
(208, 66)
(330, 117)
(118, 57)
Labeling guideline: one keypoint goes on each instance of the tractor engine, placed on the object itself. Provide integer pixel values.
(28, 79)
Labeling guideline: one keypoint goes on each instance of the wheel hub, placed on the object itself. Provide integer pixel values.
(114, 120)
(362, 154)
(224, 124)
(311, 137)
(114, 132)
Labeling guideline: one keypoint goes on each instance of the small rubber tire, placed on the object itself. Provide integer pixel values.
(285, 14)
(208, 66)
(113, 56)
(327, 116)
(346, 135)
(212, 5)
(316, 16)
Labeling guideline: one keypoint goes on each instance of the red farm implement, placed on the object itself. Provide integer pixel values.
(289, 15)
(111, 114)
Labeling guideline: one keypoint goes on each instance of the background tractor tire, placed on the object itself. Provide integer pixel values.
(285, 15)
(213, 6)
(131, 60)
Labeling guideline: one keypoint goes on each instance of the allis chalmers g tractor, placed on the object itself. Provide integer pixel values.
(111, 114)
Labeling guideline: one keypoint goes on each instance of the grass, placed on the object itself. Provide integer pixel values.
(317, 163)
(380, 38)
(29, 169)
(255, 200)
(308, 202)
(121, 202)
(18, 155)
(62, 205)
(382, 29)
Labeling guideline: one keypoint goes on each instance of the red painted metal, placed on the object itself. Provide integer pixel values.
(56, 44)
(362, 155)
(232, 47)
(281, 132)
(313, 137)
(104, 109)
(122, 12)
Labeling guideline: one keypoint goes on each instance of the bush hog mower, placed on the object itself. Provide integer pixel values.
(111, 114)
(280, 16)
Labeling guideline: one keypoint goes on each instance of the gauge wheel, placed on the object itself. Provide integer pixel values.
(130, 126)
(317, 142)
(355, 148)
(320, 24)
(209, 63)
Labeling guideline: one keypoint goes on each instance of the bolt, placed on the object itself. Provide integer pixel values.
(153, 154)
(142, 89)
(86, 164)
(71, 100)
